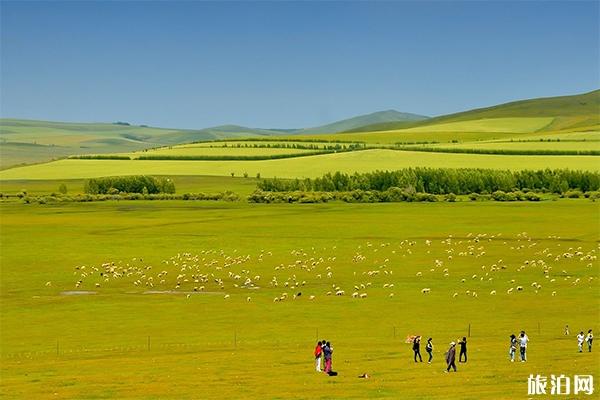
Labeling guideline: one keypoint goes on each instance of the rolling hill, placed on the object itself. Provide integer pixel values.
(30, 141)
(568, 111)
(388, 116)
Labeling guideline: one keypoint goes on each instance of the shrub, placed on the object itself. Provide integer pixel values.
(573, 194)
(450, 197)
(62, 188)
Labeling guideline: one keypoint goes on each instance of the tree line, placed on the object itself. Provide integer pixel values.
(442, 181)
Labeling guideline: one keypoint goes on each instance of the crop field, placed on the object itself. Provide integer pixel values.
(189, 150)
(213, 300)
(527, 145)
(310, 166)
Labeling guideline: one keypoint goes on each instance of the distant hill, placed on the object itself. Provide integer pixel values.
(388, 116)
(570, 112)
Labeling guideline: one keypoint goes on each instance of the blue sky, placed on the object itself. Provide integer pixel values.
(287, 64)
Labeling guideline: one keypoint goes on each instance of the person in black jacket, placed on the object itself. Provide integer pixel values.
(429, 349)
(417, 348)
(463, 349)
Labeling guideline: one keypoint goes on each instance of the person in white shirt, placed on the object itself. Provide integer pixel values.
(523, 339)
(580, 340)
(589, 339)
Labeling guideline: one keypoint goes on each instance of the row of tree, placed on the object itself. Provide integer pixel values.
(443, 181)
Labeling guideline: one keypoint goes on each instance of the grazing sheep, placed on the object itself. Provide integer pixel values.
(355, 294)
(226, 296)
(363, 295)
(311, 297)
(425, 290)
(493, 292)
(519, 288)
(455, 294)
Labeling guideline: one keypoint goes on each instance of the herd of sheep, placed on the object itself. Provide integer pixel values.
(462, 266)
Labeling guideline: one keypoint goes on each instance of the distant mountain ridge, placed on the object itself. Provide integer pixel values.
(333, 127)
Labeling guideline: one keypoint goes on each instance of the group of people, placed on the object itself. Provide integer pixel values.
(581, 339)
(450, 354)
(323, 354)
(324, 350)
(521, 342)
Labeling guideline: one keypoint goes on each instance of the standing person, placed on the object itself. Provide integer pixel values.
(429, 349)
(513, 347)
(463, 349)
(589, 339)
(451, 357)
(327, 353)
(567, 330)
(523, 340)
(580, 340)
(417, 348)
(318, 353)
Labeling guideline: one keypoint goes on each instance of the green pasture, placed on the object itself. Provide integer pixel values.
(186, 344)
(183, 184)
(310, 166)
(501, 125)
(213, 151)
(401, 136)
(526, 145)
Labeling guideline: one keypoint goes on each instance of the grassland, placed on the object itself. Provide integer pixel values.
(310, 166)
(527, 145)
(183, 184)
(206, 346)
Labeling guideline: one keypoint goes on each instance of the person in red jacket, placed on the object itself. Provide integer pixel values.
(318, 352)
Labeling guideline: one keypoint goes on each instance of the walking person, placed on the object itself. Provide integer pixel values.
(463, 349)
(429, 349)
(513, 347)
(318, 353)
(451, 357)
(523, 340)
(580, 340)
(589, 338)
(327, 354)
(567, 330)
(417, 348)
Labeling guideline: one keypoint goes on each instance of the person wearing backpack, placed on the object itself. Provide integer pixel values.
(429, 349)
(327, 353)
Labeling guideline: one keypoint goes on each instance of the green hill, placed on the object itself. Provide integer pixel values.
(569, 112)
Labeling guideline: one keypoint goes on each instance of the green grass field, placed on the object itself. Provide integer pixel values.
(311, 166)
(207, 346)
(183, 184)
(529, 145)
